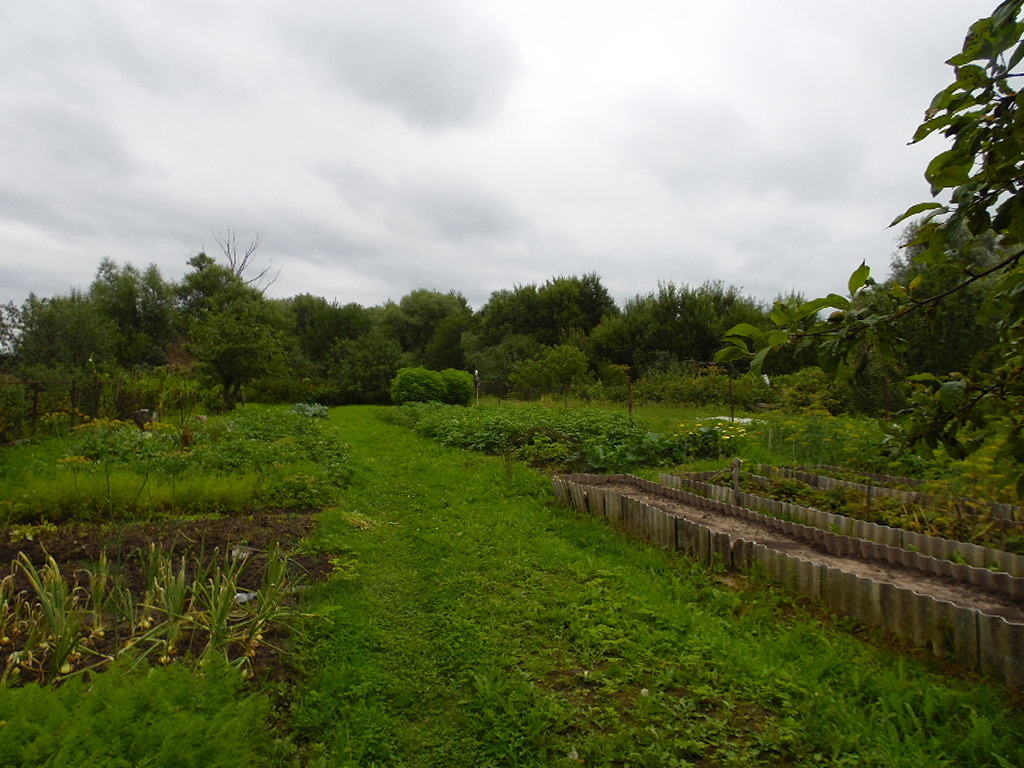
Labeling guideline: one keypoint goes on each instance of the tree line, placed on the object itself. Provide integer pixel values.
(216, 326)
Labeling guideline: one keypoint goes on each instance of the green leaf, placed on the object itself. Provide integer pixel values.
(813, 307)
(837, 301)
(914, 210)
(781, 315)
(746, 330)
(1016, 56)
(976, 44)
(777, 338)
(1005, 14)
(951, 393)
(758, 361)
(929, 126)
(940, 101)
(971, 76)
(859, 277)
(1009, 220)
(730, 354)
(949, 169)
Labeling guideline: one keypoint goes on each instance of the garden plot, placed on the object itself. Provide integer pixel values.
(980, 534)
(78, 596)
(970, 613)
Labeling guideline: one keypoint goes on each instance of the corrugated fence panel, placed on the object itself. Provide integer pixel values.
(597, 498)
(579, 497)
(1001, 649)
(613, 509)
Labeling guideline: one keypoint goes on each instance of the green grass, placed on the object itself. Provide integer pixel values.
(471, 622)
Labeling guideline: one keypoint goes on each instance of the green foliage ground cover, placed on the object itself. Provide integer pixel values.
(473, 622)
(609, 439)
(582, 439)
(107, 469)
(165, 717)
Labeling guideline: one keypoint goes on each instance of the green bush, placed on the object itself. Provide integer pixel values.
(458, 386)
(709, 387)
(810, 390)
(416, 385)
(419, 385)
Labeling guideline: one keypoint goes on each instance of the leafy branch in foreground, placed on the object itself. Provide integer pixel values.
(981, 210)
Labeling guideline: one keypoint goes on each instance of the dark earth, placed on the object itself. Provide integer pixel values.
(77, 548)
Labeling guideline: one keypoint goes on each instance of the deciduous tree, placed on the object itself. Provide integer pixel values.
(978, 186)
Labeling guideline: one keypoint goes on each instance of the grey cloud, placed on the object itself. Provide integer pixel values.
(72, 139)
(464, 214)
(451, 211)
(434, 61)
(61, 163)
(96, 54)
(704, 147)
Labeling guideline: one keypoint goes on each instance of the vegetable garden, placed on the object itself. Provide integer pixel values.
(446, 612)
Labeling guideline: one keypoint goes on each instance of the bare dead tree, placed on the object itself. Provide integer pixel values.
(239, 262)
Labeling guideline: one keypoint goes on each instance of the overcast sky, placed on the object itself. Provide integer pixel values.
(380, 146)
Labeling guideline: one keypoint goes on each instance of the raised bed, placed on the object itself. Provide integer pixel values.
(878, 489)
(933, 546)
(975, 638)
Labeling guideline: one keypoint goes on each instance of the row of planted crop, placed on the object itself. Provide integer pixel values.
(946, 518)
(877, 487)
(60, 626)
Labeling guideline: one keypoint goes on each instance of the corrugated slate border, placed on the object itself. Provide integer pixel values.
(976, 640)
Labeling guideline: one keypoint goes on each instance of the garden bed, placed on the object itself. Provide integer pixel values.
(971, 614)
(904, 489)
(115, 595)
(916, 513)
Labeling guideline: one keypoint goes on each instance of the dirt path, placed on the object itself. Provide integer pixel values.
(939, 587)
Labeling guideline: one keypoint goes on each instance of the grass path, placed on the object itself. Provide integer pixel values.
(474, 623)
